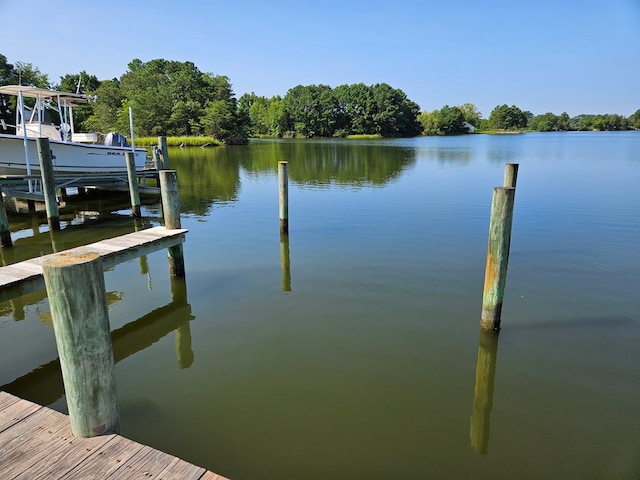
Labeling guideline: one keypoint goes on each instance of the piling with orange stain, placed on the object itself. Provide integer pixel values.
(497, 257)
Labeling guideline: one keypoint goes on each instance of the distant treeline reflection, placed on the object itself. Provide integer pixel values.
(208, 176)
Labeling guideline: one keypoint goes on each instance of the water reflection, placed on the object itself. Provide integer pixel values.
(44, 384)
(483, 392)
(212, 175)
(285, 262)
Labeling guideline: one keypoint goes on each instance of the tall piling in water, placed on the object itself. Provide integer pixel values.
(497, 257)
(283, 196)
(5, 229)
(133, 184)
(48, 182)
(171, 210)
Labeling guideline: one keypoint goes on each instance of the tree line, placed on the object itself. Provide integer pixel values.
(176, 99)
(168, 98)
(322, 111)
(458, 119)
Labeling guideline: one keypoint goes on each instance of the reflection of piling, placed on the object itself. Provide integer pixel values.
(5, 230)
(48, 183)
(483, 392)
(171, 209)
(285, 262)
(75, 286)
(283, 197)
(184, 351)
(133, 184)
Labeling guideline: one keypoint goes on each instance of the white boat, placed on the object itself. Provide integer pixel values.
(72, 152)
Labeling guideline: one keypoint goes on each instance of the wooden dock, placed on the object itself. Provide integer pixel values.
(25, 277)
(36, 442)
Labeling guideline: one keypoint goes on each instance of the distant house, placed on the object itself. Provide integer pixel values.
(470, 128)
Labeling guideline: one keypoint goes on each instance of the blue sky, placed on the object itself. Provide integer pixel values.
(578, 56)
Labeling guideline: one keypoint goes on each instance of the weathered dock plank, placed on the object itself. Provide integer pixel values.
(36, 442)
(25, 277)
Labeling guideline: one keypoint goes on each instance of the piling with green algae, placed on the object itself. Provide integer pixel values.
(48, 182)
(76, 290)
(283, 196)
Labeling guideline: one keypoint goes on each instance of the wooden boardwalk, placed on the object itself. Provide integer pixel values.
(25, 277)
(36, 442)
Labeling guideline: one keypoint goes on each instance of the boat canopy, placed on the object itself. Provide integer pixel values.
(69, 99)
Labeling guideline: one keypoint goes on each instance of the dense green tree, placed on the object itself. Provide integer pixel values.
(471, 114)
(27, 74)
(80, 83)
(6, 116)
(544, 123)
(446, 121)
(6, 71)
(504, 117)
(105, 111)
(319, 111)
(634, 120)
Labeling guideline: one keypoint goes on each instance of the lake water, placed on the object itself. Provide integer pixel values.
(350, 350)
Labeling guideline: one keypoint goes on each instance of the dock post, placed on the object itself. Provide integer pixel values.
(76, 291)
(5, 230)
(48, 182)
(510, 175)
(283, 196)
(133, 184)
(497, 257)
(164, 150)
(171, 209)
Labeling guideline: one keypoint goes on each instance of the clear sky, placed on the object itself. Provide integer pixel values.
(578, 56)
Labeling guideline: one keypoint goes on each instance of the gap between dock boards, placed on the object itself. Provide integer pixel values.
(25, 277)
(37, 443)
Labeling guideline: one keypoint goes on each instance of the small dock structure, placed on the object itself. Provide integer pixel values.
(24, 277)
(36, 442)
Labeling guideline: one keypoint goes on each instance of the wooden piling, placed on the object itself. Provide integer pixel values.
(283, 196)
(48, 182)
(157, 158)
(76, 291)
(133, 184)
(164, 150)
(5, 230)
(510, 175)
(171, 209)
(497, 257)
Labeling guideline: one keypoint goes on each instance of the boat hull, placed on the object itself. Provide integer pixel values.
(67, 157)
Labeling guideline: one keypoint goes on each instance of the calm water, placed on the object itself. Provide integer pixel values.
(351, 350)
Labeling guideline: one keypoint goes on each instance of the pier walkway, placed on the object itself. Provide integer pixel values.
(36, 442)
(25, 277)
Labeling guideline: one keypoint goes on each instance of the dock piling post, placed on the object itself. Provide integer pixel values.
(497, 257)
(510, 175)
(283, 196)
(133, 184)
(76, 291)
(164, 151)
(5, 231)
(48, 182)
(171, 209)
